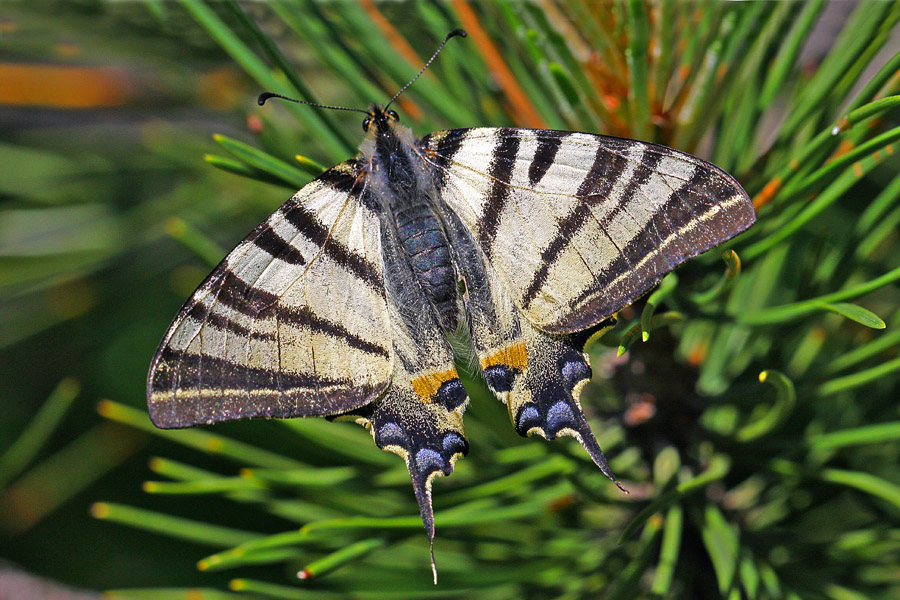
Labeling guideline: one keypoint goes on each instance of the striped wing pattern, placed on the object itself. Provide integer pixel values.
(578, 225)
(538, 376)
(292, 323)
(319, 311)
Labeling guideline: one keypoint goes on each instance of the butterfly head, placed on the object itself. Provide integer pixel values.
(383, 120)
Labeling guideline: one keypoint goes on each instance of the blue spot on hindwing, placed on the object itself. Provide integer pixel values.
(528, 417)
(574, 371)
(454, 443)
(559, 417)
(451, 394)
(500, 378)
(390, 434)
(428, 461)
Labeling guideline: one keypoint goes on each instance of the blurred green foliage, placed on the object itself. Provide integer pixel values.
(756, 427)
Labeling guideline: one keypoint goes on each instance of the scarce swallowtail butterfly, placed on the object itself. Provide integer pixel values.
(340, 303)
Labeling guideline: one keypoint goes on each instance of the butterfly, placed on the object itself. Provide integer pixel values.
(340, 304)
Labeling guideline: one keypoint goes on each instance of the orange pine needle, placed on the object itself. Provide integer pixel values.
(844, 147)
(767, 193)
(393, 36)
(402, 47)
(63, 86)
(524, 113)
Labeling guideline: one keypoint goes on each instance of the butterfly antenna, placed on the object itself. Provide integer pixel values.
(266, 95)
(452, 34)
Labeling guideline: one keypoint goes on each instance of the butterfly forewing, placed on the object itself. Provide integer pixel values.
(577, 225)
(292, 322)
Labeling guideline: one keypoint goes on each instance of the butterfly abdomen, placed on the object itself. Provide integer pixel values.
(428, 250)
(405, 186)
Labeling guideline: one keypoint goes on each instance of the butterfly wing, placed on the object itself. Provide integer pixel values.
(420, 417)
(555, 232)
(294, 322)
(537, 375)
(577, 225)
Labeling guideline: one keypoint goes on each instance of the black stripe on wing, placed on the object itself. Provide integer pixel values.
(309, 227)
(201, 313)
(708, 210)
(303, 316)
(193, 386)
(500, 173)
(233, 292)
(595, 188)
(228, 390)
(544, 156)
(277, 247)
(445, 148)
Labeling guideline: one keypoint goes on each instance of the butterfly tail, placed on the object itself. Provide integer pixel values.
(582, 432)
(427, 435)
(422, 487)
(542, 387)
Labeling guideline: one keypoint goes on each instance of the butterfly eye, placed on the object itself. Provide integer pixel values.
(366, 123)
(393, 115)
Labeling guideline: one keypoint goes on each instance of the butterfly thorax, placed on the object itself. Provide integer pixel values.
(405, 191)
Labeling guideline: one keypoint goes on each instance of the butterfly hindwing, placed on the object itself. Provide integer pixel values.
(292, 323)
(538, 376)
(420, 417)
(578, 225)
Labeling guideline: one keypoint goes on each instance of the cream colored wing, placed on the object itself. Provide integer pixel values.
(577, 225)
(538, 376)
(293, 322)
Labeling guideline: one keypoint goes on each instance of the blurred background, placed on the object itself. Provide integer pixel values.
(756, 428)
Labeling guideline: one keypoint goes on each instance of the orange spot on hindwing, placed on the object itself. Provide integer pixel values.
(427, 386)
(514, 357)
